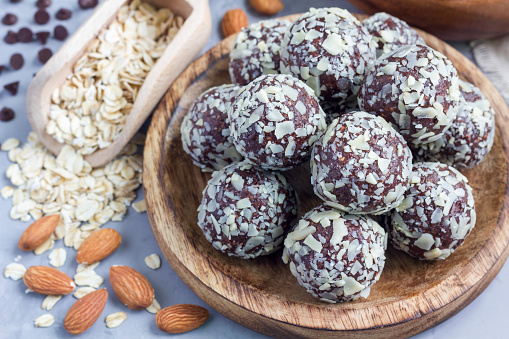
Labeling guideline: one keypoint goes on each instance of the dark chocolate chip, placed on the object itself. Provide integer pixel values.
(42, 37)
(6, 114)
(11, 37)
(17, 61)
(60, 33)
(9, 19)
(43, 3)
(12, 87)
(25, 35)
(86, 4)
(44, 55)
(63, 14)
(41, 17)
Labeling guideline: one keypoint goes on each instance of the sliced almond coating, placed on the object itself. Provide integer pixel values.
(153, 261)
(50, 301)
(14, 271)
(45, 320)
(115, 319)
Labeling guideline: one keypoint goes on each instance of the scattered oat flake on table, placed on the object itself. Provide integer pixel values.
(45, 320)
(57, 257)
(14, 271)
(140, 206)
(153, 261)
(7, 192)
(80, 292)
(9, 144)
(88, 278)
(46, 246)
(115, 319)
(154, 307)
(50, 301)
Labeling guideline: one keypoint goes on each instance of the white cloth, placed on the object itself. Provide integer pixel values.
(492, 57)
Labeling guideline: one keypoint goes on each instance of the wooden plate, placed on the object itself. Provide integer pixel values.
(261, 294)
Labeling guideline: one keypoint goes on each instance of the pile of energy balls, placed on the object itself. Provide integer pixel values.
(381, 118)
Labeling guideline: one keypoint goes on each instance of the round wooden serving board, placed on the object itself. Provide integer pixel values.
(261, 294)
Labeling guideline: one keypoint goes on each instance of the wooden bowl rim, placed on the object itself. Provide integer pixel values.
(459, 289)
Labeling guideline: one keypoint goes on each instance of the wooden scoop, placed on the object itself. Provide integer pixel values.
(180, 52)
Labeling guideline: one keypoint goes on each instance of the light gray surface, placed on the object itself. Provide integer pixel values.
(486, 316)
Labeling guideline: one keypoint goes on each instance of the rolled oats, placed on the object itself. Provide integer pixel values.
(9, 144)
(80, 292)
(154, 307)
(90, 109)
(50, 301)
(88, 277)
(7, 192)
(153, 261)
(14, 271)
(45, 320)
(140, 206)
(115, 319)
(57, 257)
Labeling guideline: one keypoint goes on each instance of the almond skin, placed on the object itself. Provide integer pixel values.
(181, 318)
(234, 21)
(38, 232)
(268, 7)
(131, 287)
(85, 312)
(48, 280)
(98, 245)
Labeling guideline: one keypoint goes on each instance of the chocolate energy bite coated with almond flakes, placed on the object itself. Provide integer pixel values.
(256, 51)
(245, 212)
(361, 165)
(330, 50)
(390, 33)
(471, 135)
(436, 215)
(275, 121)
(337, 257)
(416, 89)
(205, 129)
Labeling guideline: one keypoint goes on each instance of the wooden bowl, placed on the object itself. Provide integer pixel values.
(447, 19)
(185, 46)
(261, 293)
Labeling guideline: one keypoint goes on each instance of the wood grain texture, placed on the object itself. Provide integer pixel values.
(177, 56)
(447, 19)
(261, 294)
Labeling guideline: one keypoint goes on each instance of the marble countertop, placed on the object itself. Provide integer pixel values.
(484, 317)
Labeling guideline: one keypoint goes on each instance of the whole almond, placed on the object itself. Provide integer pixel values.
(98, 245)
(48, 280)
(38, 232)
(131, 287)
(181, 318)
(234, 21)
(85, 312)
(268, 7)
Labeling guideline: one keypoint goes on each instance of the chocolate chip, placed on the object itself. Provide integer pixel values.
(60, 33)
(17, 61)
(63, 14)
(11, 37)
(44, 55)
(25, 35)
(12, 87)
(43, 3)
(42, 37)
(6, 114)
(86, 4)
(41, 17)
(9, 19)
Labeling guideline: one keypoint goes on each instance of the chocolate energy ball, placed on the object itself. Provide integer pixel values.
(337, 257)
(361, 165)
(390, 33)
(416, 89)
(471, 135)
(245, 212)
(436, 215)
(206, 129)
(275, 121)
(256, 51)
(330, 50)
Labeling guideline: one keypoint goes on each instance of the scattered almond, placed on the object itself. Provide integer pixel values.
(48, 280)
(45, 320)
(131, 287)
(38, 232)
(14, 271)
(234, 21)
(181, 318)
(98, 245)
(153, 261)
(268, 7)
(85, 312)
(115, 319)
(154, 307)
(50, 301)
